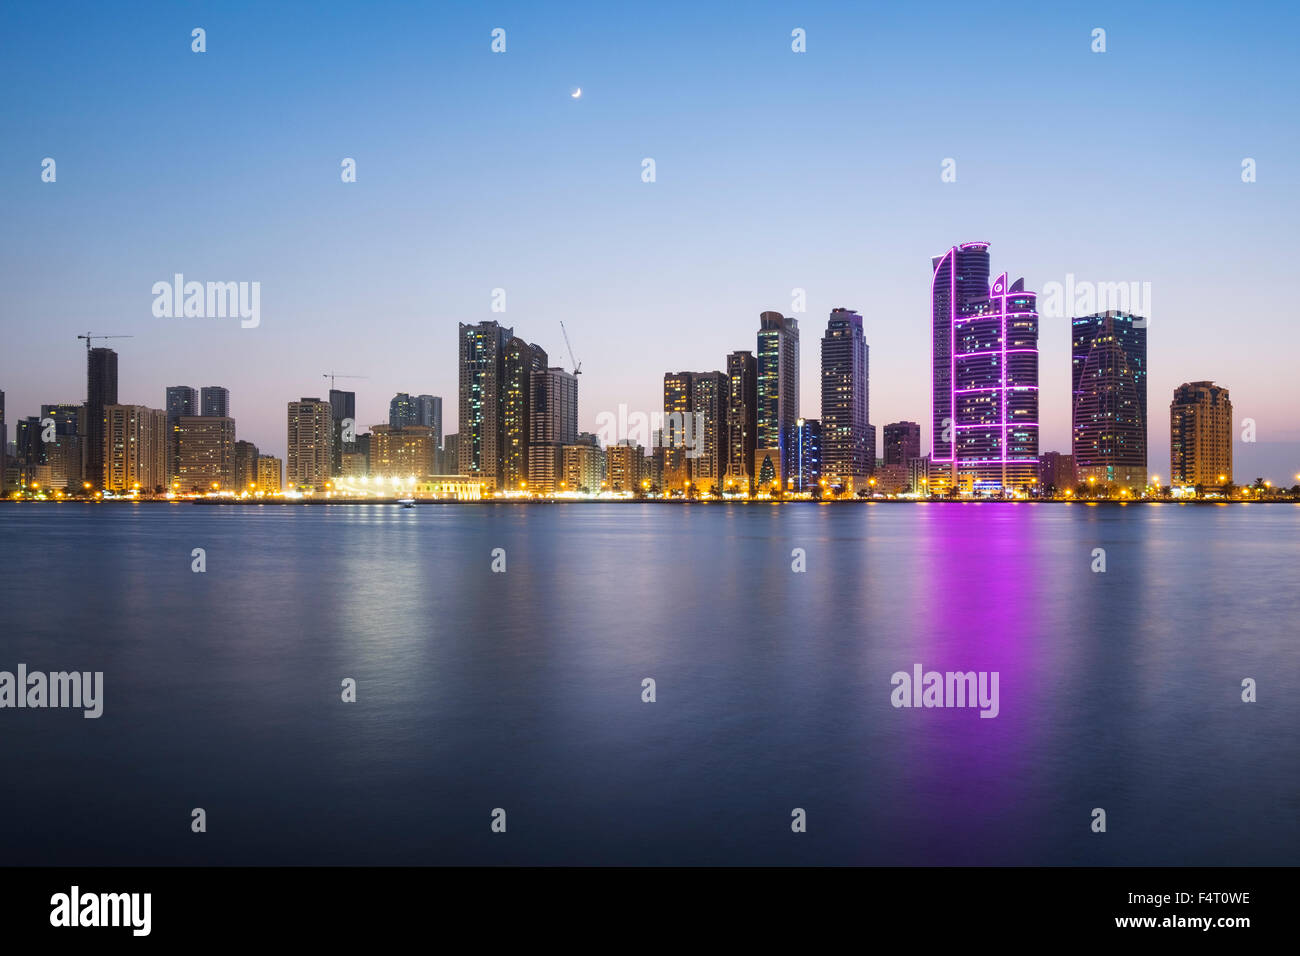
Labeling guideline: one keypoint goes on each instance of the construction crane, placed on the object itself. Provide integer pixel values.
(333, 375)
(577, 366)
(88, 336)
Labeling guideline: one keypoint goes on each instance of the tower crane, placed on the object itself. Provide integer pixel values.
(88, 336)
(577, 366)
(333, 375)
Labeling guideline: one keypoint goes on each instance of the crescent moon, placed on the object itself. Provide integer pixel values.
(576, 93)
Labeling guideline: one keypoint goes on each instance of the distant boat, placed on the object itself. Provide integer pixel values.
(406, 502)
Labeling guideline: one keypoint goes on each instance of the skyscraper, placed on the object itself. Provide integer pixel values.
(101, 391)
(482, 371)
(846, 457)
(205, 453)
(269, 474)
(310, 429)
(708, 406)
(742, 423)
(624, 463)
(553, 422)
(984, 425)
(244, 466)
(902, 442)
(403, 411)
(777, 399)
(343, 429)
(430, 415)
(1200, 435)
(402, 453)
(810, 436)
(522, 361)
(678, 431)
(64, 450)
(134, 455)
(1109, 399)
(584, 468)
(215, 401)
(182, 400)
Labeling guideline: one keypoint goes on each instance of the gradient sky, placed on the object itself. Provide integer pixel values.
(775, 170)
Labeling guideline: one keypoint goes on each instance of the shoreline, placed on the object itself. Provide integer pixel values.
(302, 502)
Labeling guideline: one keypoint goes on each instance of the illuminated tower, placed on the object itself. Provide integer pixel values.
(1109, 407)
(984, 424)
(777, 400)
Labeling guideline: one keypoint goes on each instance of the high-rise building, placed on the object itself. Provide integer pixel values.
(985, 374)
(430, 415)
(902, 442)
(584, 468)
(777, 399)
(343, 430)
(269, 474)
(451, 453)
(553, 421)
(848, 448)
(1056, 474)
(742, 423)
(214, 401)
(402, 411)
(810, 437)
(678, 432)
(624, 466)
(1109, 399)
(695, 430)
(205, 453)
(482, 352)
(244, 466)
(63, 449)
(406, 452)
(709, 394)
(182, 400)
(134, 455)
(522, 361)
(310, 431)
(1200, 435)
(101, 391)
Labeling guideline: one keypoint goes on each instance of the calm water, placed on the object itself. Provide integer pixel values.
(523, 690)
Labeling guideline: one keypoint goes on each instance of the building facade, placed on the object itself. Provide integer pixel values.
(985, 374)
(101, 391)
(406, 452)
(742, 422)
(311, 424)
(205, 454)
(1200, 436)
(776, 399)
(553, 423)
(134, 455)
(214, 402)
(902, 442)
(847, 459)
(480, 452)
(1108, 368)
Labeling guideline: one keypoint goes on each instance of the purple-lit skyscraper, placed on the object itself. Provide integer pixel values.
(984, 424)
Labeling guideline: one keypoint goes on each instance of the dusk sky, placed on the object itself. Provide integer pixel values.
(775, 170)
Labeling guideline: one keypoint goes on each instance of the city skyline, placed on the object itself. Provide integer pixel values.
(523, 414)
